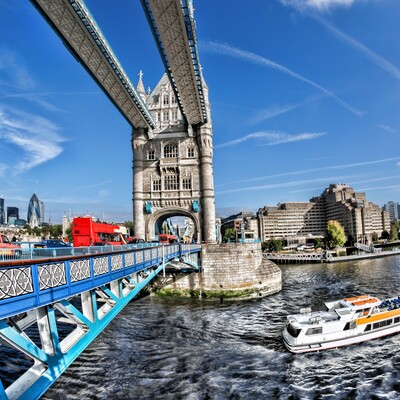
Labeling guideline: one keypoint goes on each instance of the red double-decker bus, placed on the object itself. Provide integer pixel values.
(167, 239)
(87, 232)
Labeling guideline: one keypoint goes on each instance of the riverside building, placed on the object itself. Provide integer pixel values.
(244, 223)
(393, 209)
(360, 218)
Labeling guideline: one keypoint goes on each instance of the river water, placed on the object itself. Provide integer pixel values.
(190, 349)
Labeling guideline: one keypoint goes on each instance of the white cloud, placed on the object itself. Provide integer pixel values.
(269, 138)
(12, 68)
(371, 55)
(389, 129)
(275, 110)
(320, 5)
(226, 49)
(37, 138)
(312, 170)
(287, 184)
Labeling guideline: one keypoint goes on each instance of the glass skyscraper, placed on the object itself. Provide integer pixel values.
(34, 215)
(2, 215)
(12, 215)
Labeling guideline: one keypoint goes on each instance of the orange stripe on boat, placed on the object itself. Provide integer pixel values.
(364, 296)
(378, 317)
(367, 301)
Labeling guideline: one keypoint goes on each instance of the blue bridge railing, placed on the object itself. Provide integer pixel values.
(29, 284)
(83, 291)
(28, 251)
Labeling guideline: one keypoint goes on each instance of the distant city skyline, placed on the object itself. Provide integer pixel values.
(303, 93)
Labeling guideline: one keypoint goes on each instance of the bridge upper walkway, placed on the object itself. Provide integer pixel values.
(173, 26)
(72, 21)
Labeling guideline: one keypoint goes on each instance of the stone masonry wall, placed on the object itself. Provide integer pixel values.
(229, 270)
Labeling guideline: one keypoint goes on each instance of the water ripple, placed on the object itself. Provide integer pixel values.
(188, 349)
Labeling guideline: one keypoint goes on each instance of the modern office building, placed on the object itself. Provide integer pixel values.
(293, 221)
(360, 218)
(34, 217)
(41, 206)
(393, 209)
(12, 215)
(2, 215)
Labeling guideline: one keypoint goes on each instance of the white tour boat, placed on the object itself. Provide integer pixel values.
(347, 321)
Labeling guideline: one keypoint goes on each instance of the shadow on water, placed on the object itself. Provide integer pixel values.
(188, 349)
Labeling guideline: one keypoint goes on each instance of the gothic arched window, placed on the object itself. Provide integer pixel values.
(151, 154)
(171, 150)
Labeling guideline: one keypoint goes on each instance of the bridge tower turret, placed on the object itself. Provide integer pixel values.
(172, 169)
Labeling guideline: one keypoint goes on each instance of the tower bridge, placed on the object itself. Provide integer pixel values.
(172, 176)
(186, 182)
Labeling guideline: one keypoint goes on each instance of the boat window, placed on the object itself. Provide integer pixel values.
(385, 323)
(349, 325)
(376, 325)
(293, 331)
(397, 320)
(368, 328)
(314, 331)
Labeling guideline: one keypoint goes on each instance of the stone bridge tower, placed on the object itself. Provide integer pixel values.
(172, 168)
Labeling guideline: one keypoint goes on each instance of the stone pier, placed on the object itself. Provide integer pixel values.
(228, 271)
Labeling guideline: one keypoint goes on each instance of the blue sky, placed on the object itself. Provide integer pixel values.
(303, 93)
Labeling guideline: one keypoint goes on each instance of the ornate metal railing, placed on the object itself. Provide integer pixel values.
(27, 285)
(85, 292)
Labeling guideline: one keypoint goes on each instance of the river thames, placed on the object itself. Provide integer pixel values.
(190, 349)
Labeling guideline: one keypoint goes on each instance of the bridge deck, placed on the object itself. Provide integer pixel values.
(39, 292)
(26, 285)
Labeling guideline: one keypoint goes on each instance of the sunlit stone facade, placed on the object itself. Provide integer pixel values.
(172, 168)
(360, 218)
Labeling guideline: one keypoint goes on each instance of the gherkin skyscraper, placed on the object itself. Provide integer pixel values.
(34, 211)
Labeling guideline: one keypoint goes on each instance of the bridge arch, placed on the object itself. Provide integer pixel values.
(160, 216)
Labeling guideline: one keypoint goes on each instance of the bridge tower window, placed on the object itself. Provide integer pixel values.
(171, 182)
(156, 185)
(173, 100)
(190, 152)
(151, 154)
(171, 150)
(166, 116)
(166, 99)
(187, 183)
(175, 115)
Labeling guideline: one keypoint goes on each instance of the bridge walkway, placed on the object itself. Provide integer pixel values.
(38, 299)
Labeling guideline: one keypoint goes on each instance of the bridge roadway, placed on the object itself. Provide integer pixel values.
(86, 292)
